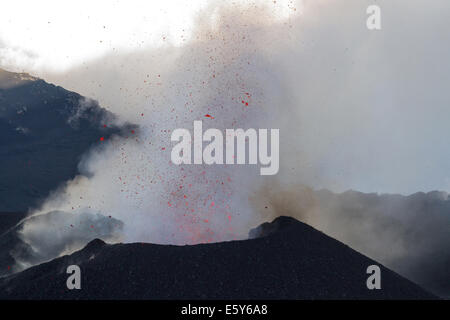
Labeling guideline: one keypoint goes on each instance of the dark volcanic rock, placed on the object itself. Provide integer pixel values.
(280, 224)
(9, 240)
(294, 262)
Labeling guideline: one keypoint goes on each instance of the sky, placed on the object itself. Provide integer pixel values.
(56, 35)
(363, 110)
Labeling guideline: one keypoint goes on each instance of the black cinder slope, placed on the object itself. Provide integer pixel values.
(9, 219)
(44, 130)
(9, 240)
(290, 261)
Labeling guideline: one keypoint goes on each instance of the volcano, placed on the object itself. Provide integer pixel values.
(286, 259)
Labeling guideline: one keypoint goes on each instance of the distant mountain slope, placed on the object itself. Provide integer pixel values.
(44, 130)
(291, 261)
(9, 219)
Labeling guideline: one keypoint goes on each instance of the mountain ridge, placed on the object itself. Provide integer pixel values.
(44, 131)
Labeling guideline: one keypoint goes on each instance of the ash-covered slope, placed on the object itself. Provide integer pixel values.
(44, 130)
(9, 240)
(290, 261)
